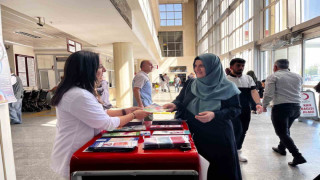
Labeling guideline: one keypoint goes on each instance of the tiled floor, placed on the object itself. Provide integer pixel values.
(33, 140)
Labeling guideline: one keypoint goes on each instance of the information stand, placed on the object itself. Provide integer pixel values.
(139, 164)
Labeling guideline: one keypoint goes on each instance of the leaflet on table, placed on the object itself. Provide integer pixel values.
(120, 134)
(166, 142)
(166, 127)
(181, 132)
(114, 144)
(166, 121)
(145, 133)
(130, 128)
(154, 108)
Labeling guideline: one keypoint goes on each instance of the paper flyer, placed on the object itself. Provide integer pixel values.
(6, 92)
(155, 108)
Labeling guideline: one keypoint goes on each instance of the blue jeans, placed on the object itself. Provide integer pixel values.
(176, 86)
(15, 112)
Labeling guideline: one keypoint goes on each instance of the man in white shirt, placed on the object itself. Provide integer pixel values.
(283, 88)
(248, 90)
(142, 88)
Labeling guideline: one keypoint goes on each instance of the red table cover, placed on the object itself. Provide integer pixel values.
(139, 159)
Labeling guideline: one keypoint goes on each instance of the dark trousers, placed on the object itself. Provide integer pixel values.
(245, 118)
(282, 116)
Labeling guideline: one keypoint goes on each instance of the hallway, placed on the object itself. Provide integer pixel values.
(33, 140)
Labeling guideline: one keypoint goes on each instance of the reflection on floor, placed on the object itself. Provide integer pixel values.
(33, 140)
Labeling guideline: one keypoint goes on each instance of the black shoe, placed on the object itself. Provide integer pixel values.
(297, 160)
(282, 152)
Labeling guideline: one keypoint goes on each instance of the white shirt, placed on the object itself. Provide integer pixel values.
(245, 84)
(79, 118)
(282, 87)
(140, 79)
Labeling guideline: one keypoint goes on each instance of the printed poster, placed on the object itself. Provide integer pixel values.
(6, 92)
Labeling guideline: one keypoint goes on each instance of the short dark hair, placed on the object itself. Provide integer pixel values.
(237, 60)
(282, 63)
(263, 81)
(80, 71)
(142, 62)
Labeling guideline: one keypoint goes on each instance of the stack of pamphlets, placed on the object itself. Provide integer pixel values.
(114, 144)
(131, 128)
(166, 142)
(120, 134)
(166, 127)
(176, 132)
(166, 121)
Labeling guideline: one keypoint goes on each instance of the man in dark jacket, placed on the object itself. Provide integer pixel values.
(15, 107)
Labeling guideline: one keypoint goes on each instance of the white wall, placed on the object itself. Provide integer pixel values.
(6, 155)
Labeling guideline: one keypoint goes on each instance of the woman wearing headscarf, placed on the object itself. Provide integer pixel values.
(208, 103)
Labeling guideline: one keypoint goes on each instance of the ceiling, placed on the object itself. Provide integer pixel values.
(47, 36)
(96, 24)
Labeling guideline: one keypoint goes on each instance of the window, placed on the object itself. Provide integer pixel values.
(170, 14)
(171, 43)
(25, 66)
(275, 17)
(306, 10)
(312, 64)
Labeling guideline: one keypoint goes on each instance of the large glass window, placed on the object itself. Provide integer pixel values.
(312, 63)
(170, 14)
(171, 43)
(306, 10)
(275, 16)
(294, 57)
(266, 64)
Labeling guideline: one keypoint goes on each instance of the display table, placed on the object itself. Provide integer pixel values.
(140, 163)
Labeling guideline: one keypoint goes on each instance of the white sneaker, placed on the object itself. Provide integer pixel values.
(241, 157)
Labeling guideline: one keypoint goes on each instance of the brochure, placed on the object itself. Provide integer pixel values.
(166, 142)
(166, 121)
(178, 132)
(114, 144)
(120, 134)
(166, 127)
(154, 108)
(130, 128)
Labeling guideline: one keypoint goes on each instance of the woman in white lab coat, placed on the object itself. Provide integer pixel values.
(80, 116)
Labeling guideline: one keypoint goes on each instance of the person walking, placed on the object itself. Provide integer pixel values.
(162, 82)
(177, 82)
(283, 88)
(16, 107)
(167, 81)
(258, 87)
(248, 91)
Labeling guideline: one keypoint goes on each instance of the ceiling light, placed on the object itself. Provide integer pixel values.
(47, 35)
(10, 42)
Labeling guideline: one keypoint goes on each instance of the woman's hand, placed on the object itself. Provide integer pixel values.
(205, 116)
(132, 109)
(170, 107)
(141, 114)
